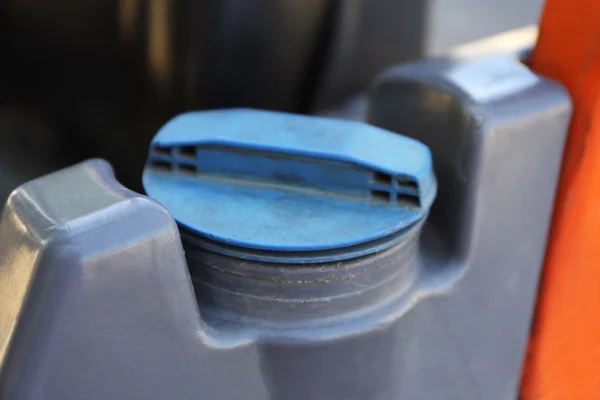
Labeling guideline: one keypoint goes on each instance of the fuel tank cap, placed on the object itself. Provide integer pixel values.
(285, 188)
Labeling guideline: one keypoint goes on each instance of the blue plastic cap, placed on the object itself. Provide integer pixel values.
(279, 187)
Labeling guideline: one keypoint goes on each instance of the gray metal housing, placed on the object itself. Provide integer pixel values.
(96, 299)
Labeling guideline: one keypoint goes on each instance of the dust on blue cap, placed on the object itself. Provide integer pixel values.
(278, 187)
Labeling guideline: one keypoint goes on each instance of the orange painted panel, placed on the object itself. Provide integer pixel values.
(563, 361)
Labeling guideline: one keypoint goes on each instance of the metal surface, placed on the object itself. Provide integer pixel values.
(452, 23)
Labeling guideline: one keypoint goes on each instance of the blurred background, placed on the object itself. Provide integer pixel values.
(97, 78)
